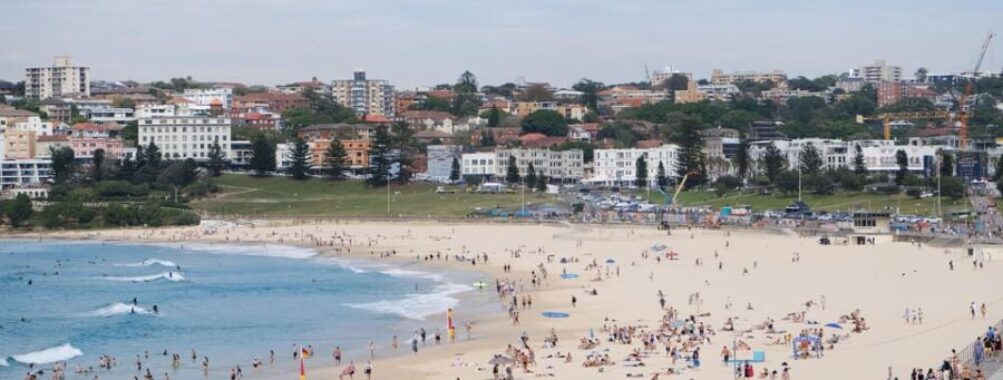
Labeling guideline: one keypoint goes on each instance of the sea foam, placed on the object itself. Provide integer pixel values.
(150, 262)
(49, 355)
(417, 306)
(118, 308)
(168, 276)
(230, 248)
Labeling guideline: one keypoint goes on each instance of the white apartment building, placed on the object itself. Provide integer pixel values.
(879, 155)
(478, 164)
(61, 79)
(833, 152)
(440, 161)
(718, 92)
(365, 96)
(564, 165)
(181, 137)
(617, 167)
(208, 97)
(24, 172)
(718, 76)
(877, 72)
(34, 124)
(149, 110)
(110, 115)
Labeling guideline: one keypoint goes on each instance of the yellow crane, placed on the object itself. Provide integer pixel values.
(887, 118)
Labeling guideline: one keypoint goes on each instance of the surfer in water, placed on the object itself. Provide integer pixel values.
(135, 301)
(156, 310)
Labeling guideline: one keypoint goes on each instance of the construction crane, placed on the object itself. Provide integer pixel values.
(965, 113)
(887, 118)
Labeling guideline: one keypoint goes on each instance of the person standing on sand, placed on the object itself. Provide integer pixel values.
(972, 309)
(337, 356)
(575, 301)
(394, 343)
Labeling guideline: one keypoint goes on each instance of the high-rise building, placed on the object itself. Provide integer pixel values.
(181, 137)
(365, 96)
(62, 79)
(878, 72)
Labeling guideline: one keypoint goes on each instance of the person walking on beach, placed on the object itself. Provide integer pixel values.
(575, 301)
(337, 356)
(394, 343)
(972, 309)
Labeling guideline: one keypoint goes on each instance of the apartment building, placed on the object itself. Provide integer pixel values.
(877, 72)
(18, 144)
(879, 155)
(181, 137)
(61, 79)
(365, 96)
(564, 165)
(356, 152)
(478, 164)
(24, 172)
(618, 167)
(440, 161)
(144, 111)
(210, 97)
(86, 138)
(718, 76)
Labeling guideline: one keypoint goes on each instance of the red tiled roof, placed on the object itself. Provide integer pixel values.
(420, 115)
(645, 144)
(53, 138)
(375, 119)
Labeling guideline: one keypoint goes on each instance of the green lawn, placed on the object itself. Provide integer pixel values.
(281, 196)
(837, 202)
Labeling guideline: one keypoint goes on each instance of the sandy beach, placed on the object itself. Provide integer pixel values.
(706, 278)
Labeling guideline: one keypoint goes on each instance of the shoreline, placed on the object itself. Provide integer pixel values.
(495, 333)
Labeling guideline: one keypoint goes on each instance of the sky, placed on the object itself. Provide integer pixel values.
(424, 42)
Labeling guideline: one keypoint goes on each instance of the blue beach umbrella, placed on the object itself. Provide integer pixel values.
(833, 325)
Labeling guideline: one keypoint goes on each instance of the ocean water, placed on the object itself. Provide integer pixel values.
(73, 301)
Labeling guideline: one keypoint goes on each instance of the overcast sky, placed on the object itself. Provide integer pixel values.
(423, 42)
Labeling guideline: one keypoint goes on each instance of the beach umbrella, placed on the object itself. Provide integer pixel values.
(833, 325)
(500, 360)
(610, 261)
(555, 314)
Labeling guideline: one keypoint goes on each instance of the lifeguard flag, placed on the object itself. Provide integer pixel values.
(302, 369)
(305, 353)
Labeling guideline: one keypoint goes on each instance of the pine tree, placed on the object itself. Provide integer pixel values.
(454, 171)
(541, 182)
(97, 172)
(691, 159)
(742, 160)
(902, 159)
(299, 168)
(810, 160)
(859, 167)
(512, 172)
(530, 175)
(126, 170)
(947, 165)
(379, 157)
(661, 179)
(335, 160)
(774, 163)
(216, 160)
(262, 156)
(405, 144)
(494, 117)
(641, 172)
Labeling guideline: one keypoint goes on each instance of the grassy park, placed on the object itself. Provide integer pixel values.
(282, 196)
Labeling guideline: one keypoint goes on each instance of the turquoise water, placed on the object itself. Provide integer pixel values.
(230, 303)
